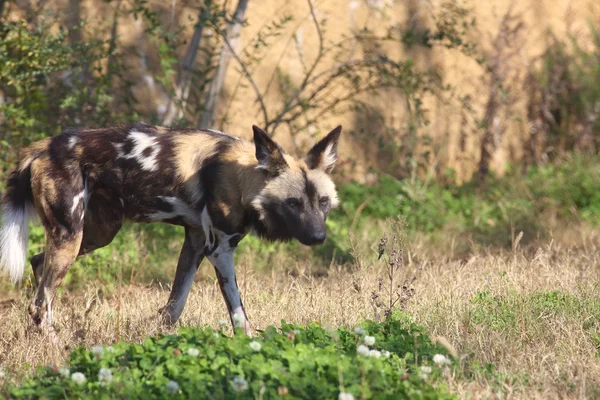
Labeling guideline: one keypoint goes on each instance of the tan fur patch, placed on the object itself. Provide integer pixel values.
(29, 153)
(292, 163)
(44, 189)
(242, 153)
(242, 181)
(190, 153)
(289, 184)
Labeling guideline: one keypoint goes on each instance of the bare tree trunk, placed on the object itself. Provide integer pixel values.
(182, 90)
(488, 145)
(112, 63)
(232, 36)
(2, 3)
(75, 37)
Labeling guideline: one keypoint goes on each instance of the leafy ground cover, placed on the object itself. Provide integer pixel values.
(391, 359)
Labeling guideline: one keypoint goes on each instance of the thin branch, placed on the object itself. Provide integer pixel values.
(282, 55)
(185, 77)
(249, 78)
(112, 47)
(238, 83)
(231, 34)
(330, 74)
(304, 83)
(300, 52)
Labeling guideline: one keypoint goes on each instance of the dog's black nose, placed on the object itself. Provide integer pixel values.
(318, 237)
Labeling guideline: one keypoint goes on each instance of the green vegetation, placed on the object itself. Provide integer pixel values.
(515, 314)
(567, 189)
(564, 95)
(386, 360)
(35, 103)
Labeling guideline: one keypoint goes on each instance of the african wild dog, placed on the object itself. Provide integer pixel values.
(83, 183)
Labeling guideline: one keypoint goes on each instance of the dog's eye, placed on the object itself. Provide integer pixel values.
(324, 201)
(293, 202)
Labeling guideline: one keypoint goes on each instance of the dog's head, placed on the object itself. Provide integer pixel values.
(298, 194)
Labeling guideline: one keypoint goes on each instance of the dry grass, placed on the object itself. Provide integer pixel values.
(547, 352)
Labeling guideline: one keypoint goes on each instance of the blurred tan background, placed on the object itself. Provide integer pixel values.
(511, 35)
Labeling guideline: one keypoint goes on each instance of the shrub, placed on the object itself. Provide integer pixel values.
(302, 362)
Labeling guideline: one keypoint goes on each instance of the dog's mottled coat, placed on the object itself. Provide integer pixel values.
(82, 184)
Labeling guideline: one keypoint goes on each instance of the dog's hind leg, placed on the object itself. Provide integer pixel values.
(37, 265)
(60, 254)
(102, 221)
(59, 194)
(190, 258)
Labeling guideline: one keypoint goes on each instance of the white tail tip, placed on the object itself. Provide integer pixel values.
(14, 235)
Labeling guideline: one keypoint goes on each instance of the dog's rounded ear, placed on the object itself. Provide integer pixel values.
(324, 154)
(268, 153)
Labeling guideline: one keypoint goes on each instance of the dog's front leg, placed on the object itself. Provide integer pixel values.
(190, 258)
(222, 259)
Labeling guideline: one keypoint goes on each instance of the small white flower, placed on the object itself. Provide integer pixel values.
(239, 384)
(238, 319)
(363, 350)
(65, 372)
(192, 352)
(216, 335)
(359, 331)
(426, 369)
(441, 360)
(375, 353)
(172, 387)
(256, 346)
(98, 351)
(222, 323)
(385, 353)
(345, 396)
(78, 378)
(369, 340)
(423, 376)
(104, 376)
(296, 331)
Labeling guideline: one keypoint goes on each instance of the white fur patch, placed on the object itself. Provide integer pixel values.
(82, 197)
(329, 157)
(257, 205)
(72, 142)
(141, 141)
(239, 317)
(180, 209)
(78, 198)
(14, 236)
(119, 149)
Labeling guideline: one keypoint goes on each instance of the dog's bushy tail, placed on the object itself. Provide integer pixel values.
(17, 210)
